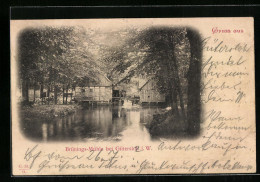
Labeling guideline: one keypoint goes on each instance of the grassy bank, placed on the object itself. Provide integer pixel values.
(165, 124)
(47, 111)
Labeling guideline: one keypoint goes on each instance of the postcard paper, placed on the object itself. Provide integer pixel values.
(133, 96)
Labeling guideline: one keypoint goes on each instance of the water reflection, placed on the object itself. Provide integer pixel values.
(100, 123)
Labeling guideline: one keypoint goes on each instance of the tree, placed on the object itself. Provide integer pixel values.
(194, 79)
(54, 56)
(155, 52)
(172, 56)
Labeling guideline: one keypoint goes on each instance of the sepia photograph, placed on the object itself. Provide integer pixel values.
(133, 96)
(85, 83)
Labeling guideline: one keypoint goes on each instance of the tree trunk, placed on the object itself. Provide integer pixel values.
(171, 70)
(48, 94)
(194, 79)
(63, 94)
(178, 84)
(67, 94)
(25, 91)
(34, 92)
(55, 93)
(180, 97)
(41, 92)
(175, 109)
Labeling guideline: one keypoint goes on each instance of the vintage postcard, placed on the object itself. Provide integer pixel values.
(133, 96)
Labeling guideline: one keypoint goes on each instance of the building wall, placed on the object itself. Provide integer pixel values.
(37, 94)
(93, 93)
(149, 94)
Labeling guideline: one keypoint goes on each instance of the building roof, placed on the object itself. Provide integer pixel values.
(102, 81)
(145, 84)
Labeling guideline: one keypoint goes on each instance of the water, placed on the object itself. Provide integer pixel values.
(100, 123)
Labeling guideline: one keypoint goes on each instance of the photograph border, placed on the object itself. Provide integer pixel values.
(145, 12)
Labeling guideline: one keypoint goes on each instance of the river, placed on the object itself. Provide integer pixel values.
(94, 123)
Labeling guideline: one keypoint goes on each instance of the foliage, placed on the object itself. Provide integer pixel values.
(162, 54)
(56, 57)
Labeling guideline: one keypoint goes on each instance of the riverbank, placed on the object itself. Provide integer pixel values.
(165, 124)
(47, 111)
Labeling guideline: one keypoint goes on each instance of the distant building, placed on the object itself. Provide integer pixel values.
(101, 92)
(149, 94)
(94, 93)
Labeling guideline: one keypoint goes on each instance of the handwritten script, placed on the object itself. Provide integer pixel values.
(110, 160)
